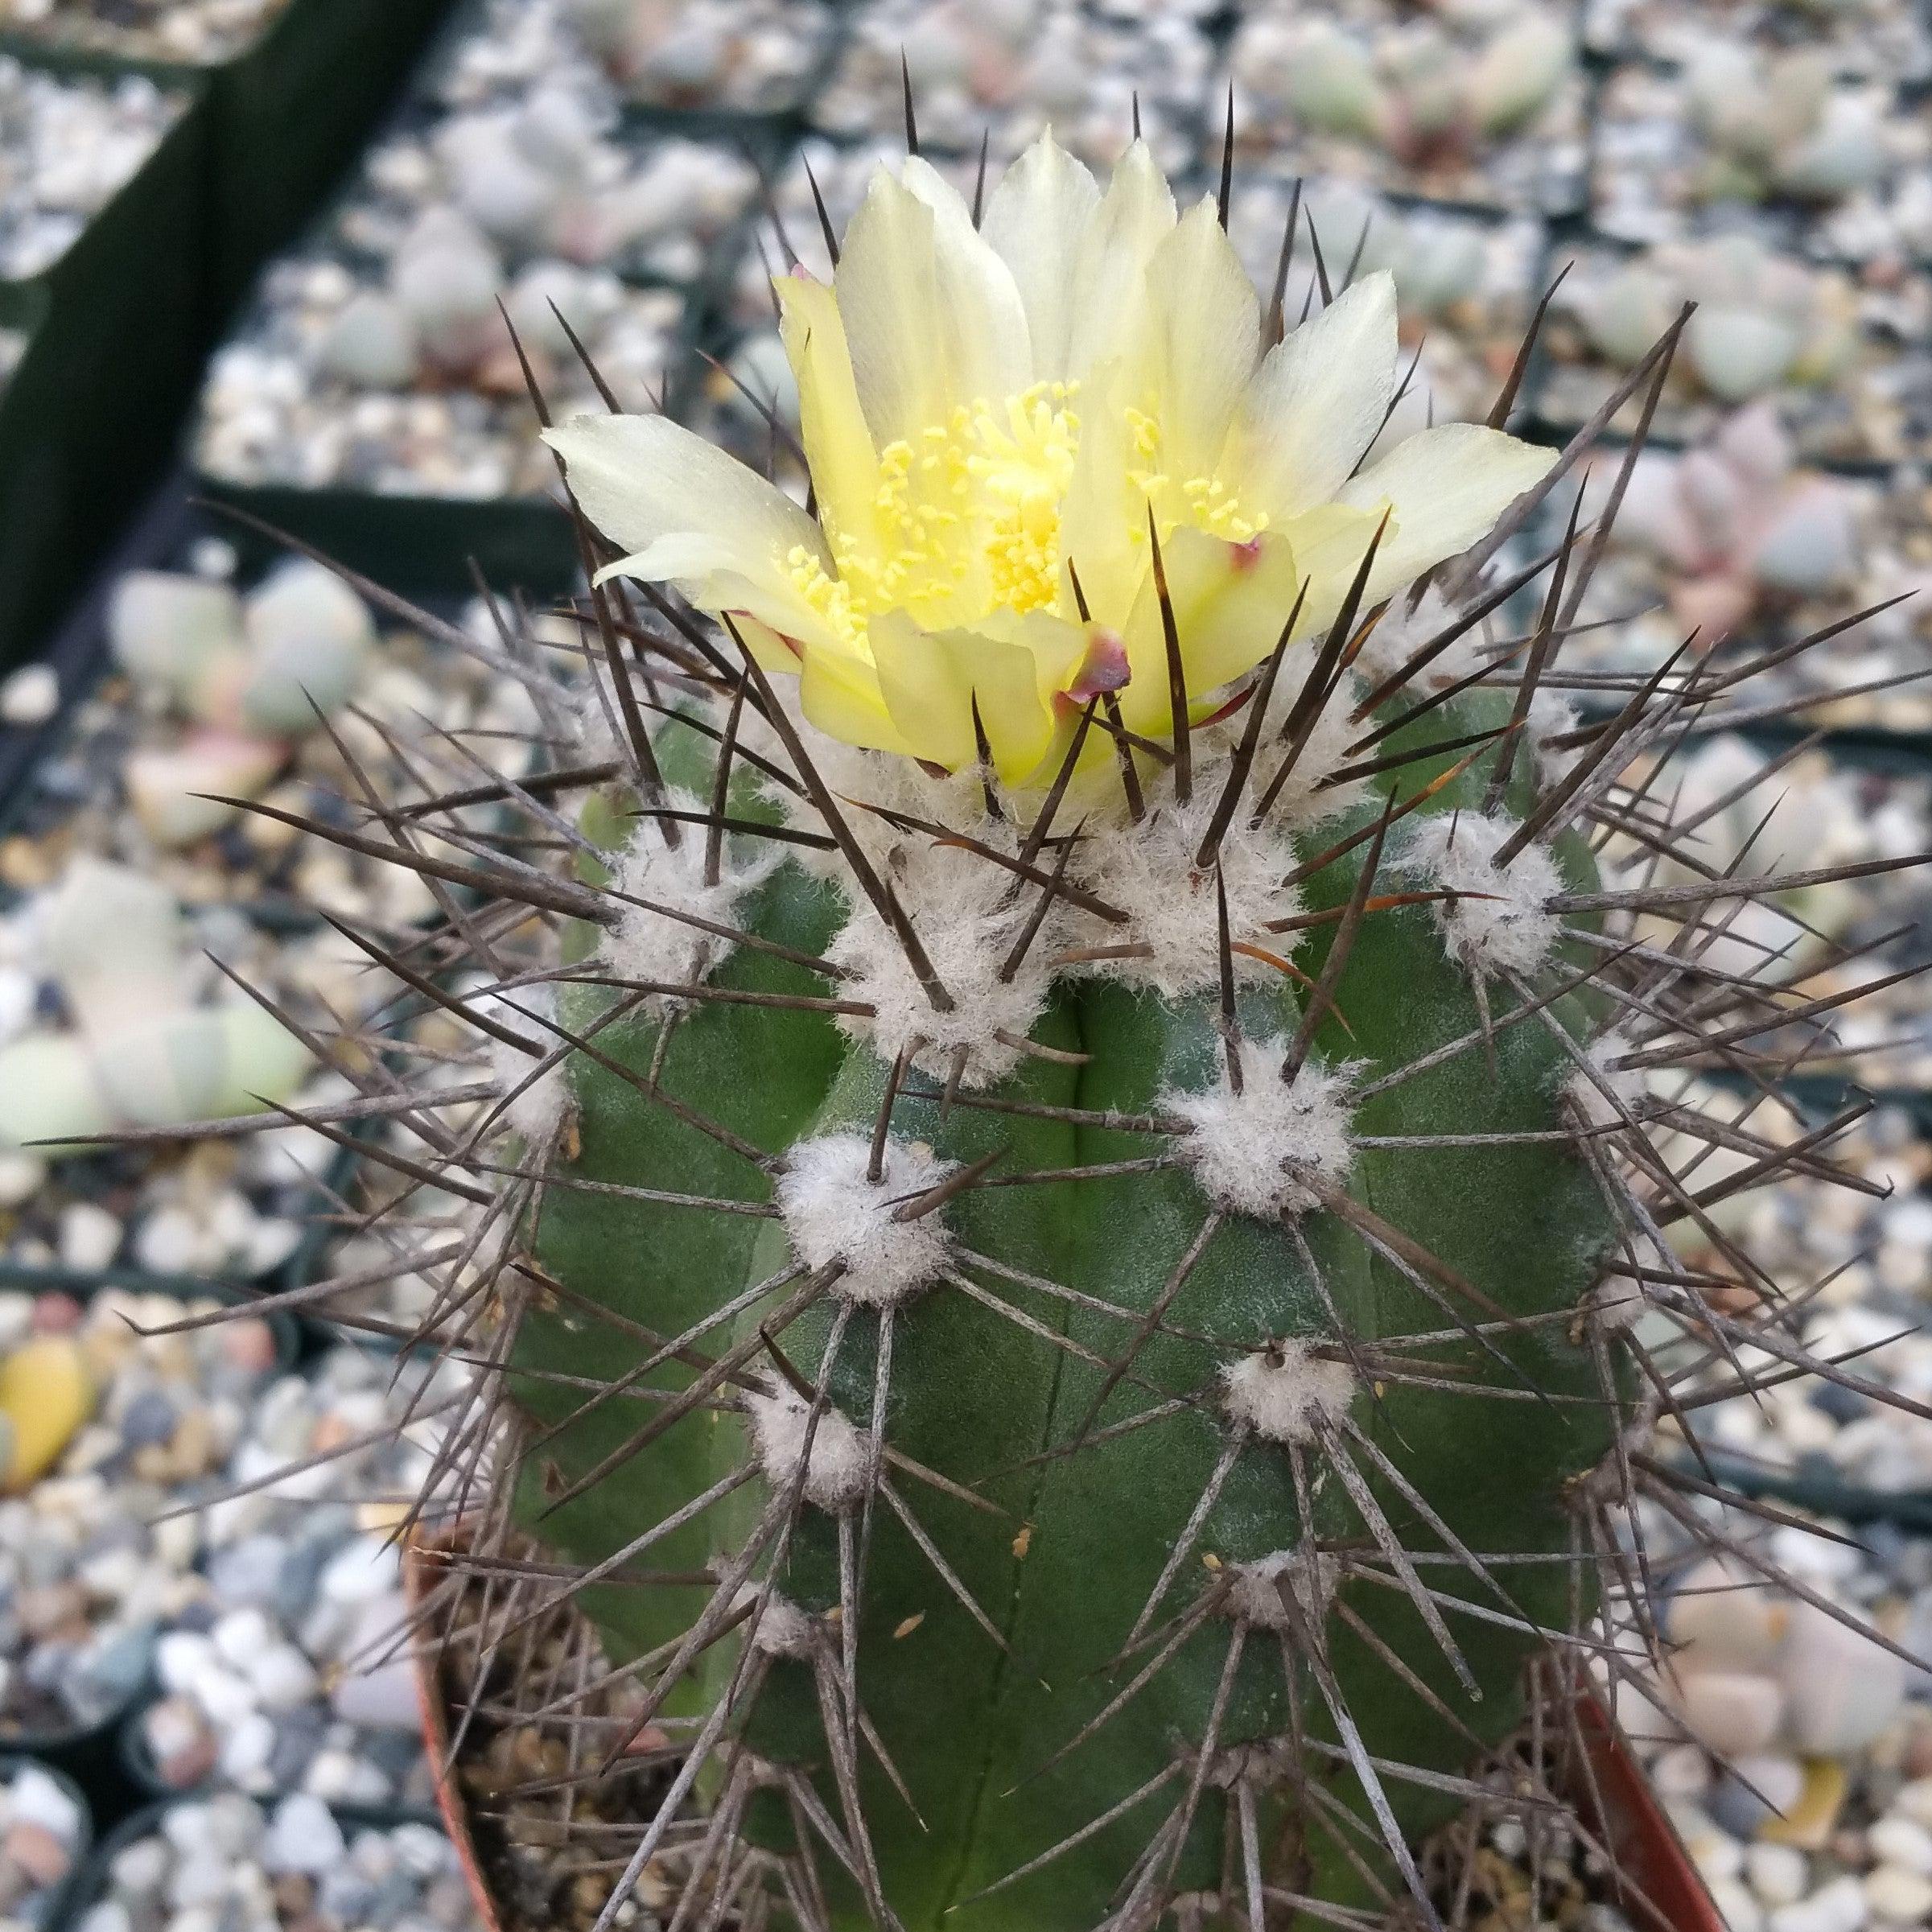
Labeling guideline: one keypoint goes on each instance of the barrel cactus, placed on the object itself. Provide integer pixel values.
(1063, 1200)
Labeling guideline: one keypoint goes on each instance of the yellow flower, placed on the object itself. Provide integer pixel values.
(992, 417)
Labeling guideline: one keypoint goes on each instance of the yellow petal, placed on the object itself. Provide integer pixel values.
(1103, 516)
(1196, 335)
(1317, 402)
(1135, 214)
(1447, 487)
(1329, 543)
(838, 445)
(640, 478)
(1231, 602)
(981, 322)
(887, 292)
(1037, 219)
(839, 693)
(716, 576)
(931, 678)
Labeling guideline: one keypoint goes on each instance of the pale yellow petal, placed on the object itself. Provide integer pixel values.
(640, 478)
(887, 290)
(1317, 402)
(714, 577)
(1447, 487)
(1329, 543)
(1011, 666)
(1135, 213)
(1036, 218)
(1195, 334)
(839, 693)
(981, 322)
(838, 445)
(1231, 603)
(1103, 517)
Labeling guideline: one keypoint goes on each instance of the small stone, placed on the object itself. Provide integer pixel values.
(1777, 1873)
(1898, 1897)
(90, 1237)
(1840, 1906)
(1729, 1711)
(149, 1421)
(1735, 1906)
(139, 1870)
(1841, 1689)
(30, 697)
(1753, 1788)
(1683, 1771)
(1915, 1801)
(249, 1344)
(1898, 1841)
(302, 1837)
(44, 1858)
(57, 1314)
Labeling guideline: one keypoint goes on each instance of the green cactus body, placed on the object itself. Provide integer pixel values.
(1181, 1533)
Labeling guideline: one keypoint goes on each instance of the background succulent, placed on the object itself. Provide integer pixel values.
(1763, 322)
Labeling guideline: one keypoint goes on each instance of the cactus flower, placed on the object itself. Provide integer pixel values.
(994, 418)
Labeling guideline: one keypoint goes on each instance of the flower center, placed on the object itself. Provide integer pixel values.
(966, 520)
(1202, 503)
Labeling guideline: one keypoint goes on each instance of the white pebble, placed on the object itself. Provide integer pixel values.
(1778, 1873)
(303, 1836)
(30, 697)
(1898, 1841)
(1838, 1907)
(1898, 1897)
(1914, 1802)
(1735, 1906)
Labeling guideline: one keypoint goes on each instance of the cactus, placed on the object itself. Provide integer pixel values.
(1062, 1194)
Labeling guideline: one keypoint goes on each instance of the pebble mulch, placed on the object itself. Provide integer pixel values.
(67, 146)
(296, 1865)
(198, 32)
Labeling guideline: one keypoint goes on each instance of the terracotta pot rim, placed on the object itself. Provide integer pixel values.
(1650, 1856)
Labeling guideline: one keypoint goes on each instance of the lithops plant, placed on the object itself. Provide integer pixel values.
(1074, 1196)
(142, 1048)
(1763, 322)
(1428, 97)
(1738, 527)
(1778, 126)
(248, 675)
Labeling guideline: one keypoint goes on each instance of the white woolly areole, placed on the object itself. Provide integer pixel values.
(653, 946)
(1402, 632)
(1285, 1392)
(784, 1630)
(1586, 1090)
(540, 1108)
(832, 1212)
(1305, 799)
(1506, 925)
(1147, 871)
(1615, 1303)
(842, 1459)
(960, 908)
(1253, 1152)
(1309, 1577)
(1552, 716)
